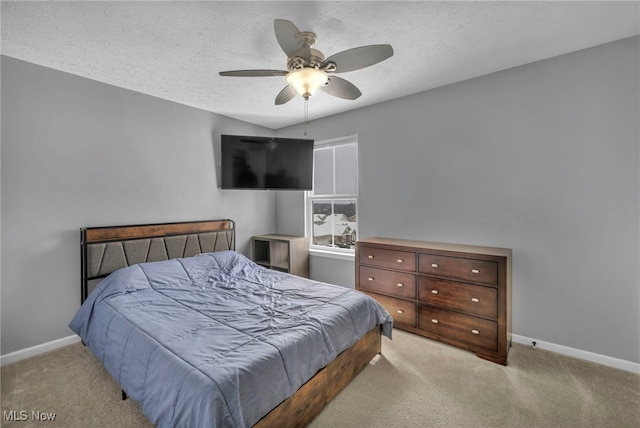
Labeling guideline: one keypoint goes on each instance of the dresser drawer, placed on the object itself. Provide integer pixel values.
(402, 311)
(458, 268)
(474, 299)
(393, 259)
(462, 328)
(388, 282)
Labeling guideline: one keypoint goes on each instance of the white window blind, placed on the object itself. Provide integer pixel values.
(332, 205)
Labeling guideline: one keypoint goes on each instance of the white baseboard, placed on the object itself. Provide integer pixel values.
(548, 346)
(579, 353)
(38, 349)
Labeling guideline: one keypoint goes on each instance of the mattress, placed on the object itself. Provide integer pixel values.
(216, 340)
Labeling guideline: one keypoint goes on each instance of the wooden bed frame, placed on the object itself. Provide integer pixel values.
(106, 249)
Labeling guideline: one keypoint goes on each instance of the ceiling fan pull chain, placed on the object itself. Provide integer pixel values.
(306, 117)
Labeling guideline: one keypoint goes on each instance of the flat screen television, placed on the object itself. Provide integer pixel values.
(267, 163)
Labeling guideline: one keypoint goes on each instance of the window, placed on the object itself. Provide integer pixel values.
(332, 205)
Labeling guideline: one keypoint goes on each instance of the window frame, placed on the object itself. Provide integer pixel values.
(310, 197)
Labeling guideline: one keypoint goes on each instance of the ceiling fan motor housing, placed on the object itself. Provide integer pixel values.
(305, 57)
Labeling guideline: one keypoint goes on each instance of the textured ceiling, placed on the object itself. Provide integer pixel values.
(174, 50)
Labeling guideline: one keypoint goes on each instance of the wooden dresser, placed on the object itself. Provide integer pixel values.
(458, 294)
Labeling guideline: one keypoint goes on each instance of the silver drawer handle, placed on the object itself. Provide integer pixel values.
(434, 291)
(475, 271)
(475, 331)
(400, 284)
(370, 256)
(400, 311)
(371, 278)
(475, 300)
(435, 321)
(400, 260)
(434, 265)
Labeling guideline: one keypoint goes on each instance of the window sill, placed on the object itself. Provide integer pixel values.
(332, 254)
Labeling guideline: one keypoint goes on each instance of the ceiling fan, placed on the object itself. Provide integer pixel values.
(307, 68)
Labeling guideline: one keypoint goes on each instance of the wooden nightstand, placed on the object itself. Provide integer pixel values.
(284, 253)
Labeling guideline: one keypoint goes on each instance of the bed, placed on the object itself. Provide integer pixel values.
(201, 336)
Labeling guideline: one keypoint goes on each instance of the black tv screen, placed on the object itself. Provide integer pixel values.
(249, 162)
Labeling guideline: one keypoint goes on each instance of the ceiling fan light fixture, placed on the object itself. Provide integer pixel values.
(306, 81)
(309, 70)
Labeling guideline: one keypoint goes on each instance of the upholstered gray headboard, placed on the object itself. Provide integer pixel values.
(106, 249)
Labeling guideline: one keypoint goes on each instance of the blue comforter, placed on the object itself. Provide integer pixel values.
(216, 340)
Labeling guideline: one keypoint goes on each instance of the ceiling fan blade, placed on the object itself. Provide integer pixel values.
(357, 58)
(254, 73)
(341, 88)
(285, 95)
(286, 34)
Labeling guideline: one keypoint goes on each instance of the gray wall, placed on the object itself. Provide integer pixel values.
(78, 153)
(543, 159)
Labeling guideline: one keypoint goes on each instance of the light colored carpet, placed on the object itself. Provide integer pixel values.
(416, 382)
